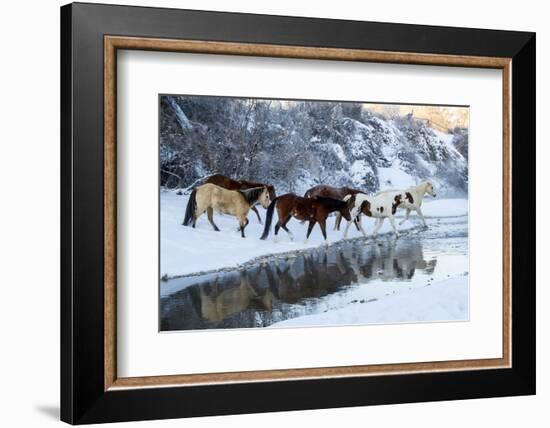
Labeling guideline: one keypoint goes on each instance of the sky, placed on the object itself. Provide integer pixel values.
(441, 117)
(444, 116)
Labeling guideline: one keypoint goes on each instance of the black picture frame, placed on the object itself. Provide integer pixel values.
(83, 398)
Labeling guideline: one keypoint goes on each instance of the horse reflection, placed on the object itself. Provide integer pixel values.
(220, 305)
(394, 260)
(311, 276)
(270, 291)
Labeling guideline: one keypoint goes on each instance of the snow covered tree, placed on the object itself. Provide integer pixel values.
(298, 144)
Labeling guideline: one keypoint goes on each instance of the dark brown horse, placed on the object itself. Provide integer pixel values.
(230, 184)
(330, 192)
(315, 210)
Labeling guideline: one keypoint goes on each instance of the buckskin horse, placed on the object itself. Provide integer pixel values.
(210, 197)
(314, 210)
(230, 184)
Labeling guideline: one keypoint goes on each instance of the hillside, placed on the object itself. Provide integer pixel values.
(296, 145)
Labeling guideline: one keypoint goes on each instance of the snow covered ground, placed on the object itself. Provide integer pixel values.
(442, 208)
(445, 300)
(184, 250)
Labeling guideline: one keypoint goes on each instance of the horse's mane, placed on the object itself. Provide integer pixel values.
(246, 184)
(251, 195)
(331, 202)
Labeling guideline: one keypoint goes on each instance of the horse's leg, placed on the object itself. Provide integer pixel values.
(323, 225)
(379, 222)
(278, 226)
(196, 216)
(243, 224)
(210, 213)
(276, 231)
(346, 229)
(360, 224)
(310, 228)
(392, 222)
(406, 216)
(286, 229)
(257, 213)
(338, 221)
(419, 211)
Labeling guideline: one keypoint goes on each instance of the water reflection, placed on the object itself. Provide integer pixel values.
(289, 286)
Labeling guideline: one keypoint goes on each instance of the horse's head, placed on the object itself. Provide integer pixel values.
(429, 189)
(271, 190)
(256, 195)
(264, 198)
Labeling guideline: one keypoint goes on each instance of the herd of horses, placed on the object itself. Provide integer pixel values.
(238, 197)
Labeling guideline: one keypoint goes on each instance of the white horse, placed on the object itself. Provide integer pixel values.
(378, 206)
(413, 198)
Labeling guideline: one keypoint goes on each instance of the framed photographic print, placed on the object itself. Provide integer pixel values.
(316, 212)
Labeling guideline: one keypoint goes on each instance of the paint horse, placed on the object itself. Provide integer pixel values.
(230, 184)
(380, 207)
(237, 203)
(413, 200)
(314, 210)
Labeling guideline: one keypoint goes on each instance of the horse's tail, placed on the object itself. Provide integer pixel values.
(191, 207)
(269, 218)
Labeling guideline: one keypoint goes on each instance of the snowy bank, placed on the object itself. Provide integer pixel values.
(184, 250)
(441, 301)
(442, 208)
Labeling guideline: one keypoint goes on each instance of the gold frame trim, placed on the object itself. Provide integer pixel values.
(113, 43)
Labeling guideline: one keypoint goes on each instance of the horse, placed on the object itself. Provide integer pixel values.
(413, 200)
(210, 197)
(380, 207)
(316, 210)
(330, 192)
(230, 184)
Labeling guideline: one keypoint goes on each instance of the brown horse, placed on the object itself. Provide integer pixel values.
(316, 210)
(210, 197)
(230, 184)
(330, 192)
